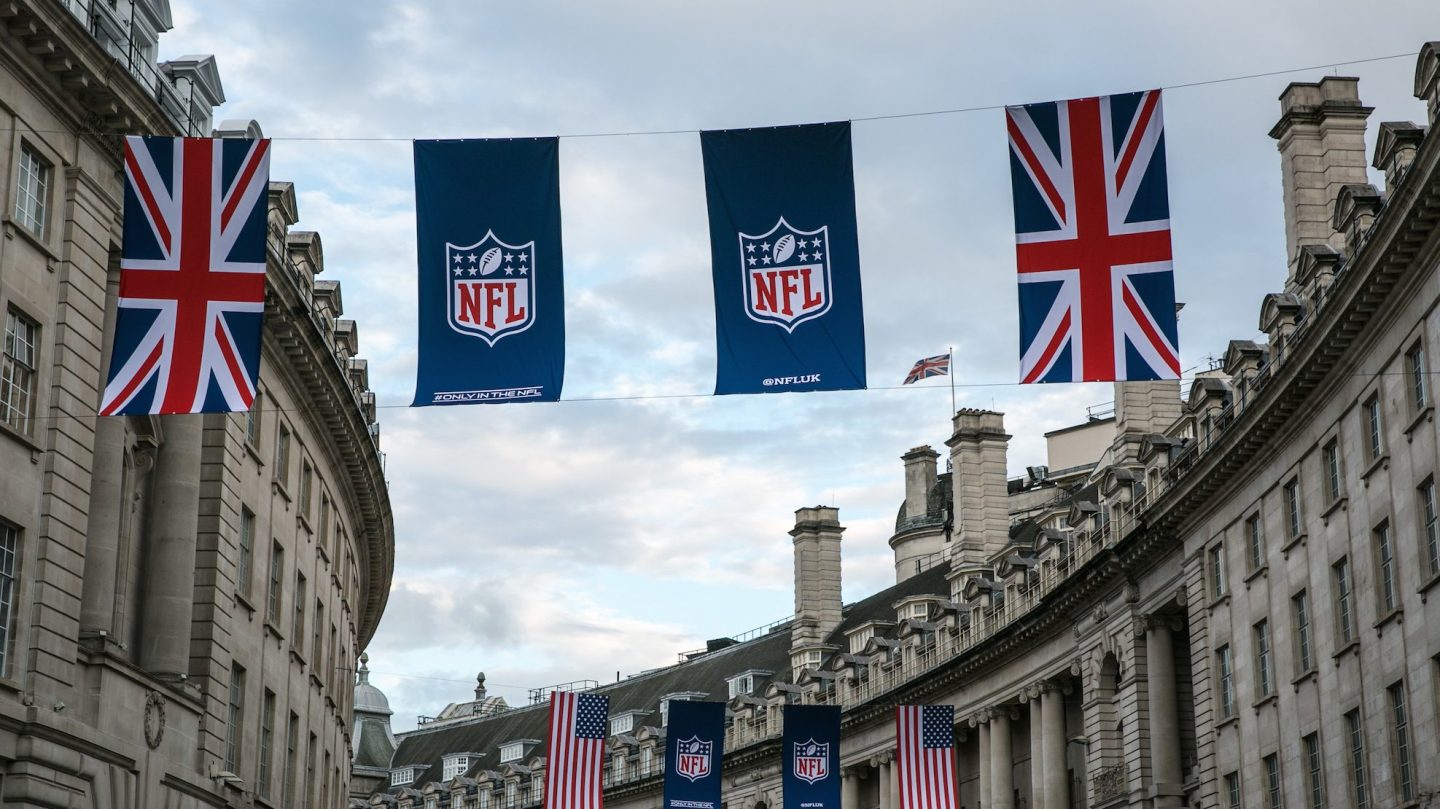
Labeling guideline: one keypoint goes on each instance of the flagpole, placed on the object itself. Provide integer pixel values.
(952, 381)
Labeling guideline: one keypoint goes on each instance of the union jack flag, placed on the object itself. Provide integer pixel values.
(192, 276)
(928, 367)
(1092, 240)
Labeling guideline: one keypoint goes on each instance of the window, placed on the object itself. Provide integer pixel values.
(247, 550)
(310, 770)
(1400, 725)
(32, 190)
(1292, 509)
(277, 569)
(323, 535)
(1315, 765)
(859, 639)
(1225, 668)
(307, 478)
(1357, 758)
(1272, 783)
(9, 549)
(743, 684)
(920, 611)
(1232, 790)
(1374, 443)
(267, 741)
(292, 743)
(1385, 560)
(1344, 619)
(1264, 672)
(17, 371)
(617, 767)
(454, 766)
(1430, 527)
(325, 787)
(402, 776)
(1255, 541)
(511, 752)
(647, 760)
(282, 455)
(298, 630)
(623, 723)
(252, 422)
(1415, 367)
(317, 637)
(1304, 651)
(1218, 585)
(1332, 471)
(236, 714)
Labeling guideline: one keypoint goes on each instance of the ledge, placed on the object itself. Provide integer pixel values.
(1340, 503)
(1426, 414)
(1381, 462)
(1263, 701)
(244, 601)
(52, 258)
(1224, 599)
(1232, 719)
(1352, 646)
(1263, 570)
(1292, 542)
(21, 438)
(254, 452)
(1308, 674)
(1397, 615)
(1428, 585)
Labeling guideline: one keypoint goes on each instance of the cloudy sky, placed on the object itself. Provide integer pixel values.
(544, 543)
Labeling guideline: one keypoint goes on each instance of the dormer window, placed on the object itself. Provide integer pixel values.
(859, 639)
(623, 723)
(920, 611)
(743, 684)
(512, 752)
(683, 696)
(402, 776)
(455, 765)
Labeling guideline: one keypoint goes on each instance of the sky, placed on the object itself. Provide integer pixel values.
(599, 537)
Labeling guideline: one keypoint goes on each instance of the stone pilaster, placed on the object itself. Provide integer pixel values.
(983, 764)
(169, 589)
(1037, 757)
(849, 789)
(1166, 789)
(1052, 748)
(1002, 766)
(883, 767)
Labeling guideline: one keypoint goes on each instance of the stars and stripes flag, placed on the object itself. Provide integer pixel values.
(930, 366)
(578, 723)
(192, 276)
(1092, 233)
(925, 754)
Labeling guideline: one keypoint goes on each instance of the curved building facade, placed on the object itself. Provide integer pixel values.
(182, 598)
(1221, 596)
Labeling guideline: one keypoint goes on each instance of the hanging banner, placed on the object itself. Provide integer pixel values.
(694, 754)
(785, 259)
(1092, 234)
(492, 293)
(811, 757)
(192, 277)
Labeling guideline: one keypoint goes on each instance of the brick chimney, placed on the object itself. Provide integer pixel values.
(1321, 137)
(919, 479)
(817, 575)
(982, 500)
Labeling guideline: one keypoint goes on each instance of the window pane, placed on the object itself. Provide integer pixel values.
(1357, 759)
(1302, 631)
(18, 371)
(1345, 622)
(1401, 723)
(1430, 526)
(31, 190)
(1388, 599)
(9, 546)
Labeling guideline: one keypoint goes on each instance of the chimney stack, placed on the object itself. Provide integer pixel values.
(817, 575)
(919, 479)
(1321, 137)
(1142, 408)
(1427, 79)
(979, 477)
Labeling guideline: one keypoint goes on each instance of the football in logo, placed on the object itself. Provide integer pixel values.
(784, 248)
(490, 262)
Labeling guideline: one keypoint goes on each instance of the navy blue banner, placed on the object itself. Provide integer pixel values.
(785, 259)
(492, 295)
(812, 757)
(694, 755)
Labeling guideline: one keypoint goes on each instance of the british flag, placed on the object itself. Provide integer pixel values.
(938, 365)
(1092, 240)
(192, 276)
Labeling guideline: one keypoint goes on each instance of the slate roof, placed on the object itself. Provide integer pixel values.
(707, 674)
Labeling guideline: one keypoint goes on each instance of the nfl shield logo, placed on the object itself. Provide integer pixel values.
(692, 758)
(812, 761)
(786, 274)
(491, 288)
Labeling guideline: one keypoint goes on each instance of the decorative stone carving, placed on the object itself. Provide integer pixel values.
(154, 719)
(1109, 782)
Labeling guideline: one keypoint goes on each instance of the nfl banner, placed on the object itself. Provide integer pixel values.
(1092, 240)
(811, 757)
(492, 320)
(694, 750)
(192, 277)
(785, 259)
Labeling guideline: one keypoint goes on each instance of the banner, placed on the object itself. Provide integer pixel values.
(192, 277)
(811, 757)
(785, 259)
(1092, 240)
(492, 292)
(694, 755)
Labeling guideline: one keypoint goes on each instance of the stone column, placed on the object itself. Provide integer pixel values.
(1052, 748)
(849, 788)
(1164, 713)
(1037, 757)
(102, 535)
(894, 782)
(884, 768)
(169, 566)
(1002, 774)
(982, 765)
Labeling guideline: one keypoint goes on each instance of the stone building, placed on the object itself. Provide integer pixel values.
(1220, 597)
(182, 598)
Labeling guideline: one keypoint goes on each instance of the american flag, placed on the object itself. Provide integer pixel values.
(925, 753)
(577, 750)
(1092, 233)
(930, 366)
(192, 276)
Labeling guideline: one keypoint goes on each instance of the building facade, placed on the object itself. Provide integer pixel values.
(182, 598)
(1217, 597)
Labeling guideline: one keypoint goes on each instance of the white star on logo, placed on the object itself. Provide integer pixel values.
(765, 260)
(458, 258)
(472, 258)
(765, 246)
(817, 255)
(814, 242)
(752, 261)
(750, 248)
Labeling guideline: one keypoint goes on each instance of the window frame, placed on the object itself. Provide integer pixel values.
(1232, 789)
(1373, 420)
(282, 455)
(11, 546)
(265, 765)
(1264, 660)
(235, 718)
(297, 635)
(1219, 579)
(1344, 600)
(1274, 795)
(34, 221)
(1255, 542)
(1304, 639)
(13, 414)
(1225, 679)
(1387, 581)
(1416, 373)
(1359, 786)
(1428, 510)
(245, 556)
(1294, 518)
(1315, 766)
(1333, 470)
(277, 583)
(1401, 744)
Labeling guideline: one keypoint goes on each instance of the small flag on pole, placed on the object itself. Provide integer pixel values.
(938, 365)
(577, 750)
(925, 754)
